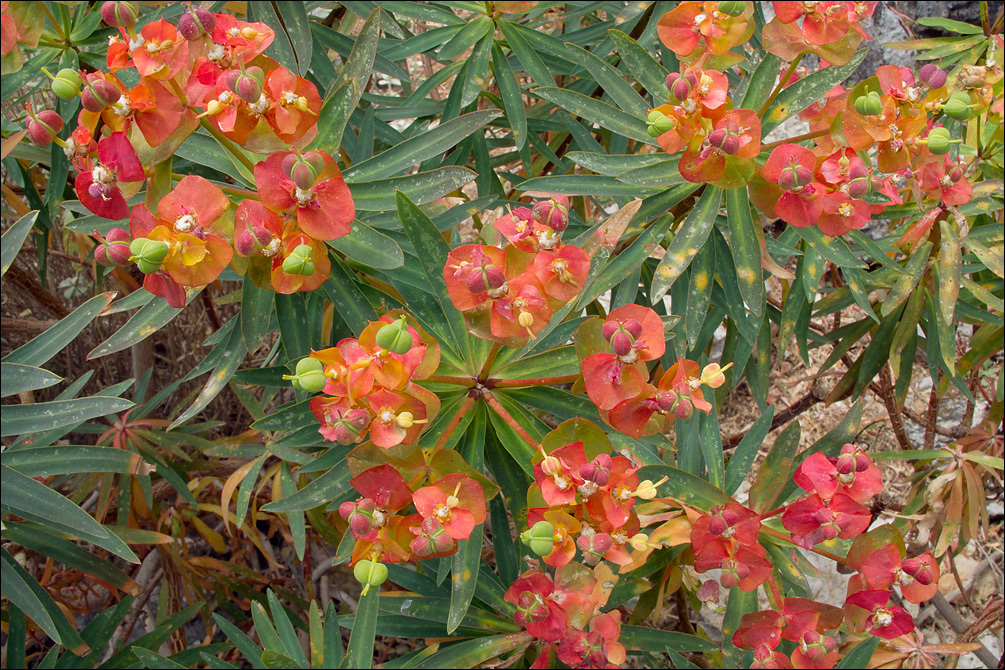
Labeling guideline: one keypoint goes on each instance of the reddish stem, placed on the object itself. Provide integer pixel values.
(539, 381)
(445, 379)
(777, 510)
(489, 361)
(779, 603)
(793, 140)
(501, 411)
(461, 411)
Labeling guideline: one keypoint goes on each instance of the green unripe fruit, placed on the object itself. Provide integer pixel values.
(148, 254)
(395, 337)
(540, 538)
(310, 375)
(66, 85)
(869, 104)
(369, 573)
(300, 261)
(958, 106)
(732, 7)
(938, 141)
(658, 123)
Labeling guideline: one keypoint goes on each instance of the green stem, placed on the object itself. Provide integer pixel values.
(820, 552)
(501, 411)
(461, 411)
(227, 144)
(446, 379)
(781, 83)
(55, 24)
(489, 361)
(797, 138)
(539, 381)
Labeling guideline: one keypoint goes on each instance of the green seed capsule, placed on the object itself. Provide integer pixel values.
(395, 337)
(869, 104)
(540, 538)
(148, 254)
(938, 141)
(66, 85)
(300, 261)
(369, 573)
(958, 106)
(731, 7)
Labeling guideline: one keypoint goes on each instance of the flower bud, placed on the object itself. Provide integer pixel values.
(732, 7)
(485, 278)
(920, 568)
(666, 401)
(725, 140)
(683, 86)
(45, 126)
(359, 514)
(431, 538)
(250, 242)
(938, 140)
(196, 22)
(957, 107)
(540, 538)
(955, 174)
(99, 95)
(300, 262)
(148, 254)
(352, 424)
(370, 573)
(594, 546)
(683, 410)
(794, 176)
(553, 213)
(933, 75)
(733, 573)
(658, 123)
(870, 104)
(120, 14)
(246, 85)
(115, 250)
(598, 470)
(395, 337)
(66, 84)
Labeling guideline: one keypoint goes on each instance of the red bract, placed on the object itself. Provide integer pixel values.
(294, 105)
(98, 188)
(729, 521)
(323, 210)
(195, 221)
(541, 616)
(812, 521)
(918, 577)
(385, 486)
(398, 416)
(946, 181)
(456, 501)
(868, 612)
(853, 473)
(523, 311)
(558, 474)
(724, 156)
(815, 651)
(474, 273)
(683, 28)
(159, 52)
(562, 273)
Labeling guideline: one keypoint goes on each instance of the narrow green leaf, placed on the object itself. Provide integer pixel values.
(622, 265)
(296, 519)
(332, 637)
(148, 320)
(298, 30)
(73, 459)
(604, 115)
(531, 60)
(359, 64)
(154, 660)
(348, 299)
(952, 26)
(464, 577)
(776, 469)
(333, 118)
(746, 250)
(36, 417)
(364, 629)
(833, 249)
(370, 247)
(256, 313)
(711, 446)
(762, 81)
(746, 451)
(641, 64)
(292, 315)
(614, 165)
(685, 245)
(16, 378)
(28, 596)
(648, 639)
(471, 653)
(860, 655)
(473, 31)
(699, 292)
(231, 355)
(684, 486)
(322, 490)
(280, 50)
(202, 148)
(284, 628)
(512, 97)
(420, 188)
(51, 342)
(950, 271)
(611, 80)
(13, 238)
(35, 501)
(251, 651)
(908, 282)
(798, 96)
(583, 184)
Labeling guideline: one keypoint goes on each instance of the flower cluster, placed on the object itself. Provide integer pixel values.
(564, 612)
(509, 294)
(616, 378)
(368, 384)
(726, 539)
(207, 70)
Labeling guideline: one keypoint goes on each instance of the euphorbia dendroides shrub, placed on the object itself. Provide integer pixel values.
(491, 274)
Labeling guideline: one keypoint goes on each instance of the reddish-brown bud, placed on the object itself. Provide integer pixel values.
(485, 278)
(683, 409)
(598, 470)
(920, 569)
(932, 75)
(44, 127)
(196, 22)
(119, 14)
(99, 95)
(352, 424)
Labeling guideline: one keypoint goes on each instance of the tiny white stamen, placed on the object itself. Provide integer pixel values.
(304, 198)
(216, 53)
(101, 173)
(136, 43)
(185, 223)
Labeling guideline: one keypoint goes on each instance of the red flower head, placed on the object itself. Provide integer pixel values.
(842, 213)
(811, 521)
(159, 52)
(98, 187)
(944, 180)
(475, 273)
(683, 28)
(295, 104)
(456, 501)
(385, 486)
(799, 200)
(195, 222)
(867, 612)
(731, 521)
(399, 416)
(431, 539)
(389, 369)
(742, 565)
(723, 156)
(338, 422)
(519, 229)
(918, 577)
(563, 273)
(565, 528)
(852, 473)
(558, 473)
(312, 188)
(539, 614)
(523, 311)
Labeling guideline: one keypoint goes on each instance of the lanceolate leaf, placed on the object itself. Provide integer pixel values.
(776, 469)
(48, 344)
(619, 268)
(17, 378)
(13, 238)
(746, 249)
(595, 111)
(611, 80)
(333, 118)
(370, 247)
(684, 247)
(798, 96)
(464, 577)
(364, 629)
(509, 91)
(36, 417)
(683, 486)
(420, 188)
(231, 355)
(148, 320)
(322, 490)
(641, 64)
